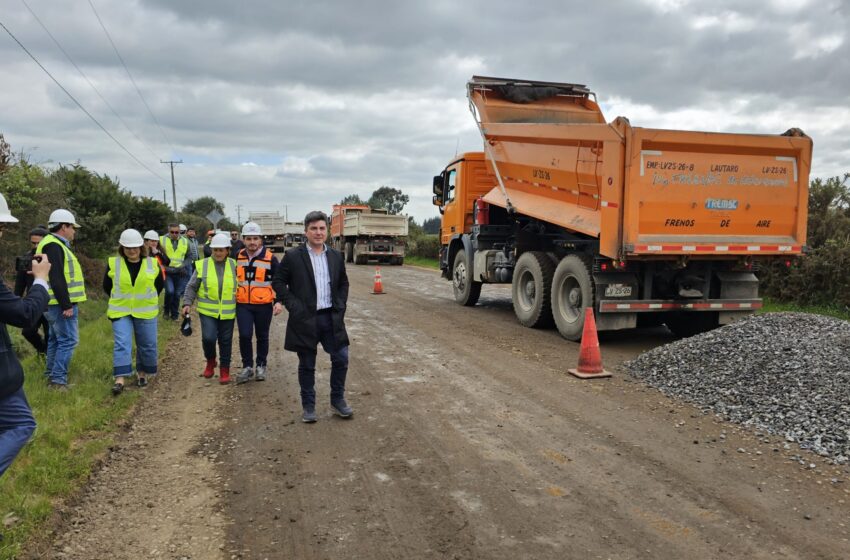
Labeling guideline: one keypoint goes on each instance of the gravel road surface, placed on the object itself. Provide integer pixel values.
(469, 441)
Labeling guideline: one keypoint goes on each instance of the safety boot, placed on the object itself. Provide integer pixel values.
(209, 371)
(261, 373)
(224, 375)
(245, 375)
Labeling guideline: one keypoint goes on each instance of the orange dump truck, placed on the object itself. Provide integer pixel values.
(646, 226)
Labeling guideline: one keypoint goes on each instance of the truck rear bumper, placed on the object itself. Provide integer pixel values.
(643, 306)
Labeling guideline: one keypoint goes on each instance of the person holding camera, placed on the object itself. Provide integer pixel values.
(133, 281)
(16, 420)
(23, 282)
(67, 289)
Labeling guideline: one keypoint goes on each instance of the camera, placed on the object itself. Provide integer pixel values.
(24, 264)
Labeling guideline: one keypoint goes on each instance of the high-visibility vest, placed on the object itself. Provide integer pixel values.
(72, 269)
(259, 289)
(209, 302)
(176, 256)
(139, 300)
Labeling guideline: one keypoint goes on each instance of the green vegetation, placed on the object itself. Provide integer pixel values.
(74, 428)
(422, 261)
(821, 278)
(771, 306)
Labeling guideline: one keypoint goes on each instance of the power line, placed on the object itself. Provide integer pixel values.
(142, 97)
(83, 109)
(86, 78)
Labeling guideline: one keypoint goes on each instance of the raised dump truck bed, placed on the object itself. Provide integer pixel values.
(661, 220)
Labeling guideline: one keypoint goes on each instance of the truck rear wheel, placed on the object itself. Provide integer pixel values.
(572, 291)
(465, 289)
(349, 252)
(531, 288)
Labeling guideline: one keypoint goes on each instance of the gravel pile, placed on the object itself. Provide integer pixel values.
(785, 373)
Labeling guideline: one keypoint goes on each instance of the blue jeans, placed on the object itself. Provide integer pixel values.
(174, 287)
(16, 427)
(123, 330)
(251, 317)
(220, 330)
(307, 364)
(63, 339)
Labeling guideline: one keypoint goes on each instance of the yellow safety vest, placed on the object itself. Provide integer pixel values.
(176, 256)
(209, 302)
(139, 300)
(73, 272)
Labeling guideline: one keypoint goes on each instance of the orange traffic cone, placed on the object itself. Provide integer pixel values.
(378, 288)
(589, 357)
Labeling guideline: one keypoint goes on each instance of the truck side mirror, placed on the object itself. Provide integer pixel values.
(438, 185)
(437, 201)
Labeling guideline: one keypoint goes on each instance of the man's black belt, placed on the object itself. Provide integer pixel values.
(324, 311)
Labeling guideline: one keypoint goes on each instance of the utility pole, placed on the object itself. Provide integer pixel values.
(239, 214)
(173, 187)
(164, 200)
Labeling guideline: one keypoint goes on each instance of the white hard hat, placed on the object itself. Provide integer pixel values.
(220, 241)
(5, 215)
(62, 216)
(251, 228)
(182, 228)
(152, 235)
(131, 238)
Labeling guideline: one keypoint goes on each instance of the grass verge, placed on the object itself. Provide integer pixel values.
(772, 306)
(422, 261)
(74, 428)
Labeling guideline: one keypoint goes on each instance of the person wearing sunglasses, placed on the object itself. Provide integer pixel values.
(176, 248)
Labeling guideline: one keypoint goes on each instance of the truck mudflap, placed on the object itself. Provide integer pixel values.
(653, 305)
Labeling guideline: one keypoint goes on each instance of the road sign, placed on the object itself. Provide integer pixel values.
(215, 217)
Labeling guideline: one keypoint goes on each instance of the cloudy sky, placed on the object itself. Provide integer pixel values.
(291, 105)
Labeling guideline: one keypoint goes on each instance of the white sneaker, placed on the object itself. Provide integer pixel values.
(261, 373)
(245, 375)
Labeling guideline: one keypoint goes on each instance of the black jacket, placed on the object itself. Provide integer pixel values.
(22, 313)
(295, 286)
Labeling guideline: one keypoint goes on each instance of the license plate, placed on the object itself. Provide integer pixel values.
(618, 290)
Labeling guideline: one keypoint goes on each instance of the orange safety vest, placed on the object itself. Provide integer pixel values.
(161, 266)
(259, 289)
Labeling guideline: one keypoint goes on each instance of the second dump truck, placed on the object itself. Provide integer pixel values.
(644, 226)
(363, 233)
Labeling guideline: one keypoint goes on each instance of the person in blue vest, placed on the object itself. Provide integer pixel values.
(133, 281)
(16, 420)
(213, 285)
(176, 248)
(67, 290)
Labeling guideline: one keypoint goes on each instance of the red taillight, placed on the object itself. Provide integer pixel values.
(482, 212)
(788, 264)
(603, 266)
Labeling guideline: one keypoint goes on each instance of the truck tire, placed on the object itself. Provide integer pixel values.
(572, 291)
(349, 252)
(685, 325)
(531, 289)
(465, 289)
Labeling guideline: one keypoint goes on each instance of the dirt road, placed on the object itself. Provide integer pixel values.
(468, 441)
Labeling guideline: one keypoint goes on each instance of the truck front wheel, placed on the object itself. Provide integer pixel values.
(465, 289)
(531, 287)
(572, 291)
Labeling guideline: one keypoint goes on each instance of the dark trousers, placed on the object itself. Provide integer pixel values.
(307, 364)
(35, 338)
(175, 285)
(16, 427)
(249, 318)
(217, 330)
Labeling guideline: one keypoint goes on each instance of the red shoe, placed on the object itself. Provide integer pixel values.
(224, 375)
(209, 371)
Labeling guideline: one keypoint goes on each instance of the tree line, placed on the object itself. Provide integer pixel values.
(98, 202)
